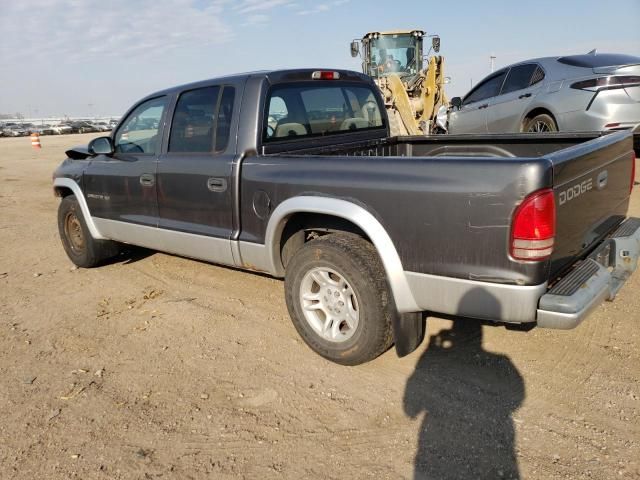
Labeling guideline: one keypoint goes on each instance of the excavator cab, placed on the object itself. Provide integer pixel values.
(392, 53)
(412, 89)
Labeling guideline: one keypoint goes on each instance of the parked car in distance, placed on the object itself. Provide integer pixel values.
(82, 127)
(102, 126)
(590, 92)
(16, 131)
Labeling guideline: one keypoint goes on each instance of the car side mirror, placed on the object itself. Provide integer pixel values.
(355, 48)
(456, 102)
(101, 146)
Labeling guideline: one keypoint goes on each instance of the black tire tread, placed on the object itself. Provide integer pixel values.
(361, 259)
(96, 251)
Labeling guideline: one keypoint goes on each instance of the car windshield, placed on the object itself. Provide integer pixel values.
(394, 54)
(599, 60)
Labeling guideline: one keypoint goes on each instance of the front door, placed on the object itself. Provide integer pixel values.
(122, 187)
(472, 116)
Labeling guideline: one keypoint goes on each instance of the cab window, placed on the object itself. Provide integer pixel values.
(202, 120)
(139, 131)
(317, 110)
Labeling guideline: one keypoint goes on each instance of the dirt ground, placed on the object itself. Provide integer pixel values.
(159, 366)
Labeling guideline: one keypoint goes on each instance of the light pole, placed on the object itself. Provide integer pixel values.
(492, 60)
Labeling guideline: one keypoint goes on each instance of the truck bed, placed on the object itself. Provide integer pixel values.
(462, 182)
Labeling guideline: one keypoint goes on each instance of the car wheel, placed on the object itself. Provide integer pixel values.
(82, 249)
(338, 298)
(540, 124)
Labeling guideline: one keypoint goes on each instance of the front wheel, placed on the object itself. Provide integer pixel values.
(338, 298)
(540, 124)
(82, 249)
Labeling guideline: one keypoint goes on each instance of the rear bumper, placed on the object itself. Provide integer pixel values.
(597, 278)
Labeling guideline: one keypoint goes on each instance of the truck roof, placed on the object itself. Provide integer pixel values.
(274, 76)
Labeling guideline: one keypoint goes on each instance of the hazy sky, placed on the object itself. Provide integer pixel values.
(81, 57)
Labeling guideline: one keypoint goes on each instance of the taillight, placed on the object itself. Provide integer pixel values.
(633, 172)
(602, 83)
(533, 228)
(325, 75)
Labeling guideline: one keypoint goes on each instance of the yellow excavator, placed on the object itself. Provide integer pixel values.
(411, 82)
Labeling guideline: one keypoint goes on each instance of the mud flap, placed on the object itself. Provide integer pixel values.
(408, 331)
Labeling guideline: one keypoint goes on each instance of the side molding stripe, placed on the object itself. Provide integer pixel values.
(356, 214)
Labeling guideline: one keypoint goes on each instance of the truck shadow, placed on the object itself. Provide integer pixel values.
(467, 396)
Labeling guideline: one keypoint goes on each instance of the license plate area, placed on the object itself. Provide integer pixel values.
(603, 255)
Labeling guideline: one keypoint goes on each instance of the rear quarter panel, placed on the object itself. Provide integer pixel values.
(446, 216)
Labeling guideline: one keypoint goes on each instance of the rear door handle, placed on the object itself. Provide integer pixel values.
(525, 95)
(147, 180)
(216, 184)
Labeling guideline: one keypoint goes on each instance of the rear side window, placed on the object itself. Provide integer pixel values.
(202, 120)
(321, 109)
(519, 77)
(487, 89)
(599, 60)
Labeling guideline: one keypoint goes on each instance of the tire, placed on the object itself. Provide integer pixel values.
(340, 274)
(540, 124)
(82, 249)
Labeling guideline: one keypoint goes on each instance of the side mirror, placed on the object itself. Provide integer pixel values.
(435, 43)
(101, 146)
(355, 48)
(456, 102)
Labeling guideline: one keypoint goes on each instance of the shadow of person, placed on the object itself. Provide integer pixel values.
(468, 396)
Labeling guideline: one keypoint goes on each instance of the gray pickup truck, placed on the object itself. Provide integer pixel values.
(293, 173)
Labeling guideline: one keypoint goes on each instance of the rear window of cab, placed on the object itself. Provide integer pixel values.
(303, 110)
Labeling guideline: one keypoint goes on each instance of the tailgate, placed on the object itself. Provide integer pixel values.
(591, 183)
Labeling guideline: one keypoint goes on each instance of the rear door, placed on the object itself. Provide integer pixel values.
(505, 111)
(122, 186)
(472, 116)
(194, 175)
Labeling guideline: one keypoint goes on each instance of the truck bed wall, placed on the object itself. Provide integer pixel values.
(449, 216)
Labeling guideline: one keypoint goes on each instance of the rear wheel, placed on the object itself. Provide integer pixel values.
(540, 124)
(82, 249)
(339, 300)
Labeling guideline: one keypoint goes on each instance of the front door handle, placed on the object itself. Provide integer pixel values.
(216, 184)
(147, 180)
(483, 106)
(525, 95)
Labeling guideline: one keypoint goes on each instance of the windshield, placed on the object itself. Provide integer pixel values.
(394, 54)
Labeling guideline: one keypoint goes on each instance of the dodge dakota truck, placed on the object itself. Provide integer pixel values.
(293, 173)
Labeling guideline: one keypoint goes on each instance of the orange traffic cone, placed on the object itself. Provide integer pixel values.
(35, 141)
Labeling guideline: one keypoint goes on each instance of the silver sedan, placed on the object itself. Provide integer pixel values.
(590, 92)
